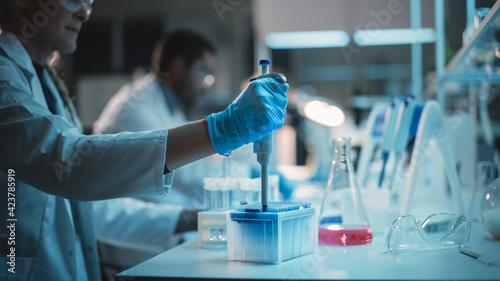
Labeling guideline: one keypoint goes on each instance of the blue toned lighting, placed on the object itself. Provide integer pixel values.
(400, 36)
(330, 73)
(307, 39)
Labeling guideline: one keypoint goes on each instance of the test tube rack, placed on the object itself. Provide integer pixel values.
(211, 228)
(224, 194)
(286, 230)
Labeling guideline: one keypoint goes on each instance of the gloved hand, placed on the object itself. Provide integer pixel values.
(255, 113)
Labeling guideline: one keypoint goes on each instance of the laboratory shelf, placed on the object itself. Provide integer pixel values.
(473, 76)
(462, 69)
(461, 63)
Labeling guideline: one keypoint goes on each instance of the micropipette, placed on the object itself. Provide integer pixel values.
(389, 134)
(263, 148)
(375, 124)
(403, 134)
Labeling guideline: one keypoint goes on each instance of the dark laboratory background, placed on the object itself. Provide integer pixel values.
(115, 46)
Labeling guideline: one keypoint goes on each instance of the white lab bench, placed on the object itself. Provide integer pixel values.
(368, 262)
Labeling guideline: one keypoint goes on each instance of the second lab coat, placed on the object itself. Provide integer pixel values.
(56, 168)
(148, 104)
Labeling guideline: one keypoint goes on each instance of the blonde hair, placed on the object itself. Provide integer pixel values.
(55, 68)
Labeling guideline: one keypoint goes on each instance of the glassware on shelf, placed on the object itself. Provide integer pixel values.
(484, 50)
(343, 220)
(478, 60)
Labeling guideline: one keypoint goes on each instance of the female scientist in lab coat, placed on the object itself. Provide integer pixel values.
(54, 166)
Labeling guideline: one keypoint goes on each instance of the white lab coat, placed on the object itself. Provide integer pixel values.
(148, 104)
(56, 168)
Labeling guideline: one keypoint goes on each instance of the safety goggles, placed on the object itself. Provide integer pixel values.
(204, 72)
(438, 231)
(76, 5)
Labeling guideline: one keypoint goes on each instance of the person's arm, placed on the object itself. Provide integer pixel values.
(188, 143)
(257, 111)
(50, 154)
(188, 221)
(130, 221)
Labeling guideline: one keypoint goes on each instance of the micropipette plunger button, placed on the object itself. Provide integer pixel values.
(261, 62)
(264, 64)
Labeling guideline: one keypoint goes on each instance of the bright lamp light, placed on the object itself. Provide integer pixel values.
(324, 113)
(307, 39)
(377, 37)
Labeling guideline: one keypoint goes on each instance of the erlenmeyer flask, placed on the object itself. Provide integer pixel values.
(342, 219)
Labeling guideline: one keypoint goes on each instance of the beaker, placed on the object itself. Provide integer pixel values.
(343, 220)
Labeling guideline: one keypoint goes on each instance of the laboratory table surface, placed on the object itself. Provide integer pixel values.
(367, 262)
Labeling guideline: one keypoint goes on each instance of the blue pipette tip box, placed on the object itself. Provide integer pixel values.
(285, 231)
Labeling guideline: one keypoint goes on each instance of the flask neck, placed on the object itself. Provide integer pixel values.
(342, 151)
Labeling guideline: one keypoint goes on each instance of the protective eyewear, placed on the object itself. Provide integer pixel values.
(438, 231)
(201, 68)
(204, 72)
(76, 5)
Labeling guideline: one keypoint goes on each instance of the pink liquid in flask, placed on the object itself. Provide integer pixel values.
(345, 235)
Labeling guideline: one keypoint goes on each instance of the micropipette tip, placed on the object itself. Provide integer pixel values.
(385, 157)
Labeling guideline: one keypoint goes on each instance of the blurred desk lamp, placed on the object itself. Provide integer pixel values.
(324, 112)
(324, 115)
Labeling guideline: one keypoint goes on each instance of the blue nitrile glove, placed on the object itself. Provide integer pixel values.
(255, 113)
